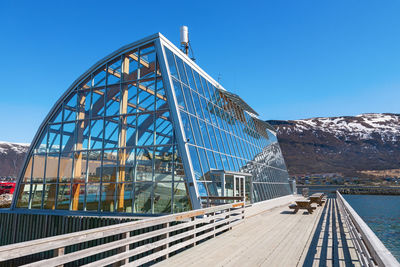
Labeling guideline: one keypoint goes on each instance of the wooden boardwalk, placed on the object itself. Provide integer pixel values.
(277, 237)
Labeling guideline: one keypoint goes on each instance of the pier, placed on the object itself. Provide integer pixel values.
(262, 234)
(277, 237)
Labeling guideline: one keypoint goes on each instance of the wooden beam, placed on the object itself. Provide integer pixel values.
(122, 136)
(135, 83)
(142, 61)
(76, 188)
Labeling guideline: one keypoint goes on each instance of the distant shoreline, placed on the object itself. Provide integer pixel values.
(355, 190)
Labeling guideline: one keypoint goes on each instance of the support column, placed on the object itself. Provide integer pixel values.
(122, 135)
(80, 128)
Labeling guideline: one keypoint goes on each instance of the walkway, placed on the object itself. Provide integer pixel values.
(276, 237)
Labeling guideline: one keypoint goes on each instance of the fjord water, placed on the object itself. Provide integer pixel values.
(382, 214)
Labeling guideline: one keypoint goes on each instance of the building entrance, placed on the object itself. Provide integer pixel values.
(230, 184)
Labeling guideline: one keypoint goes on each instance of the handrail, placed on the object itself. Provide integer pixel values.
(160, 237)
(370, 249)
(217, 200)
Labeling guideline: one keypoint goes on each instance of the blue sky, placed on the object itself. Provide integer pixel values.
(288, 59)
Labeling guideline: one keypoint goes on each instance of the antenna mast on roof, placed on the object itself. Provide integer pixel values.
(185, 44)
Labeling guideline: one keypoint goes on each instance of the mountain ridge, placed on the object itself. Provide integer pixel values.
(343, 144)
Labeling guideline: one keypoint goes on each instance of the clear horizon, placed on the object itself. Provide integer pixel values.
(299, 59)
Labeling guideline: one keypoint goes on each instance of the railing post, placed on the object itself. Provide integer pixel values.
(194, 235)
(213, 222)
(167, 238)
(229, 218)
(59, 252)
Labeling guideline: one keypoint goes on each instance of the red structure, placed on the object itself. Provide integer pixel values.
(7, 188)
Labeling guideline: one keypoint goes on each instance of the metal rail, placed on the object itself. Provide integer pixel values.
(134, 243)
(371, 251)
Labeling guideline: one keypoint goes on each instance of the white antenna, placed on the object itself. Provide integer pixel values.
(185, 39)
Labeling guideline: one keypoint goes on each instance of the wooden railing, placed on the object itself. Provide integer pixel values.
(214, 200)
(137, 243)
(18, 227)
(371, 251)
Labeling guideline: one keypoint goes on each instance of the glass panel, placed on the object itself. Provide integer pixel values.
(38, 168)
(162, 197)
(68, 137)
(82, 135)
(144, 163)
(179, 94)
(202, 189)
(41, 146)
(51, 168)
(114, 72)
(206, 113)
(92, 197)
(179, 172)
(145, 130)
(198, 83)
(28, 172)
(70, 108)
(164, 130)
(142, 195)
(163, 164)
(130, 164)
(181, 198)
(146, 99)
(124, 197)
(133, 65)
(96, 134)
(181, 69)
(110, 166)
(63, 196)
(107, 197)
(188, 99)
(54, 138)
(190, 77)
(99, 78)
(195, 162)
(94, 166)
(187, 128)
(49, 200)
(211, 159)
(204, 134)
(111, 132)
(196, 131)
(98, 107)
(65, 172)
(171, 63)
(78, 196)
(204, 162)
(23, 196)
(37, 190)
(207, 94)
(113, 100)
(196, 99)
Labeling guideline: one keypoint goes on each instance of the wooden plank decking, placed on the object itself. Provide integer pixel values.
(277, 237)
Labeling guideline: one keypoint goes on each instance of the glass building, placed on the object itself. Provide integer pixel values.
(147, 131)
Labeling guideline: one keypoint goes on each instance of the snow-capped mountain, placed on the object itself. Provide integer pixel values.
(12, 156)
(341, 144)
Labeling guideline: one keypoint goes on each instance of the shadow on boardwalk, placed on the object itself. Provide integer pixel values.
(329, 246)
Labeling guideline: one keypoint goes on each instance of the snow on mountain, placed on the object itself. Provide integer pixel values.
(364, 126)
(12, 156)
(346, 144)
(19, 148)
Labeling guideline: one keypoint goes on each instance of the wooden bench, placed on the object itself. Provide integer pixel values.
(302, 204)
(317, 198)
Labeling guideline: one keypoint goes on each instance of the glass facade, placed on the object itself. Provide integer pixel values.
(222, 135)
(113, 142)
